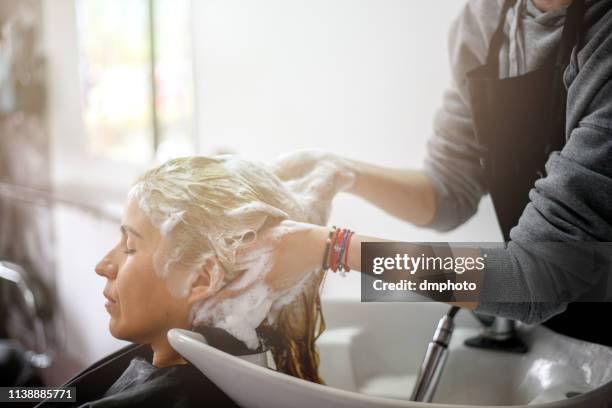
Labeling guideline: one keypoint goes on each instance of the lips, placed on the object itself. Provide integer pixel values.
(109, 297)
(110, 301)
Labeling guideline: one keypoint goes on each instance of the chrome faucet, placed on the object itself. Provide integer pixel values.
(435, 359)
(498, 334)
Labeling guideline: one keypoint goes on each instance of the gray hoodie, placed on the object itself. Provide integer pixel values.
(574, 201)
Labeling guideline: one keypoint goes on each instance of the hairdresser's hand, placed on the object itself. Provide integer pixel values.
(316, 176)
(277, 261)
(298, 251)
(282, 258)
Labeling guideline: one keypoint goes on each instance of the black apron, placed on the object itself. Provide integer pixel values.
(520, 121)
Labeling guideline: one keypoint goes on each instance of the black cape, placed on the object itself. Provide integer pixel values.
(178, 386)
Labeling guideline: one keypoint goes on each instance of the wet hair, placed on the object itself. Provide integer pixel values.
(205, 206)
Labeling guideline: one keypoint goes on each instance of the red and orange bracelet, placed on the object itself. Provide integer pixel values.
(336, 250)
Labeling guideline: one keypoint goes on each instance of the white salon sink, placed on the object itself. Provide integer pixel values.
(371, 353)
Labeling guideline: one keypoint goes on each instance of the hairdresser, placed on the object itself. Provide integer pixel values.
(528, 120)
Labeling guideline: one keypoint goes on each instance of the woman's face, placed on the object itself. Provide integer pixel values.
(139, 303)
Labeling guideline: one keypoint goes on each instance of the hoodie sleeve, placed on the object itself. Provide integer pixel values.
(453, 156)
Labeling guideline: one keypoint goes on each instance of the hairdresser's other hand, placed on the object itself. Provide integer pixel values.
(317, 176)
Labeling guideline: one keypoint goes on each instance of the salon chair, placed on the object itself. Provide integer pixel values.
(25, 341)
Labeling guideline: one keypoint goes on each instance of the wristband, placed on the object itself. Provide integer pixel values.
(328, 241)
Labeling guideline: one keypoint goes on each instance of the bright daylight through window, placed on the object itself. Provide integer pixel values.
(136, 78)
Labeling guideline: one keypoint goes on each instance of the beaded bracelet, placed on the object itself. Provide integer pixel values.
(345, 264)
(341, 258)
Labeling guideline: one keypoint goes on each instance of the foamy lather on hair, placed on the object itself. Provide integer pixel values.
(215, 206)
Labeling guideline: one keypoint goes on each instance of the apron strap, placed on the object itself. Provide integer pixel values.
(497, 38)
(572, 31)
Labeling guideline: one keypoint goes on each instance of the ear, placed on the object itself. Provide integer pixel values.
(209, 280)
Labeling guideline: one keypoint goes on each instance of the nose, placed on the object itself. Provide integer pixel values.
(107, 268)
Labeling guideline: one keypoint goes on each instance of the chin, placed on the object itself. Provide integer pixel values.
(116, 332)
(122, 330)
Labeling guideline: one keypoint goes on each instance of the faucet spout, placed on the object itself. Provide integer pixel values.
(435, 359)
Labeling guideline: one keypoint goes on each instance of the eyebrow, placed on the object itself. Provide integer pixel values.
(126, 228)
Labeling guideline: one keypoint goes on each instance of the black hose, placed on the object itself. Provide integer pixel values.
(453, 311)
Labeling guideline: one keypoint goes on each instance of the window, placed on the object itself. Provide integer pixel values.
(136, 78)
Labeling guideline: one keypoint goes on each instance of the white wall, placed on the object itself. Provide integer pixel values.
(362, 78)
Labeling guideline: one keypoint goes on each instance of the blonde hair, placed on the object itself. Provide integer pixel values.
(207, 206)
